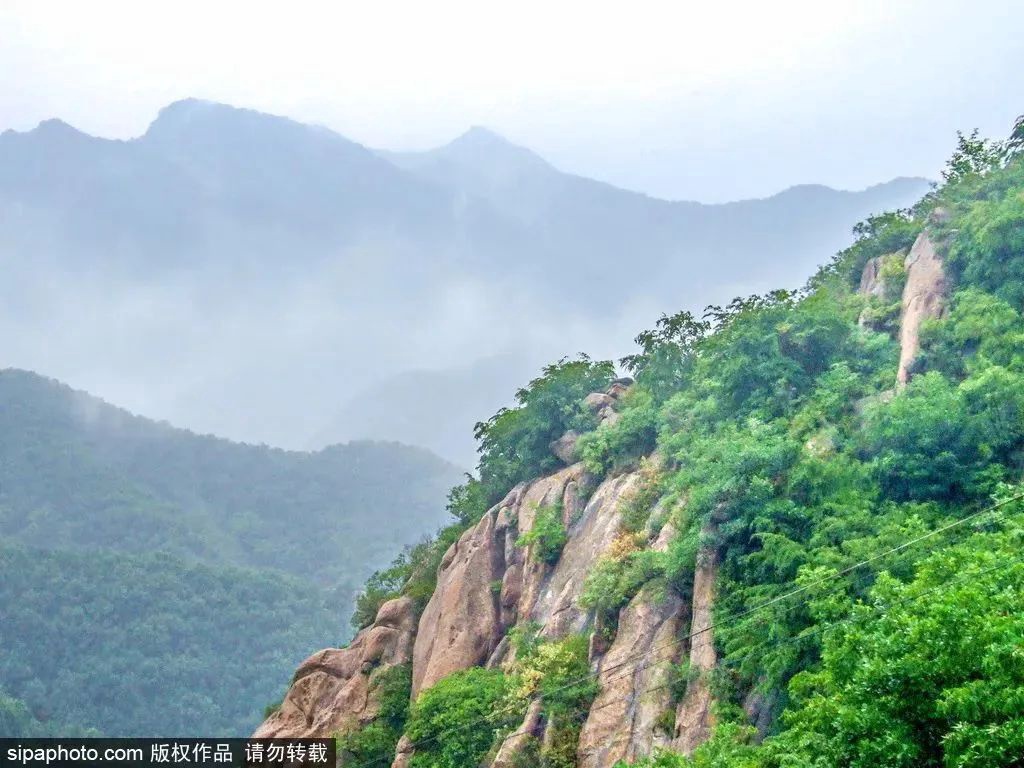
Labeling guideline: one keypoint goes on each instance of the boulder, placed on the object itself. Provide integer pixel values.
(596, 401)
(565, 447)
(618, 388)
(403, 753)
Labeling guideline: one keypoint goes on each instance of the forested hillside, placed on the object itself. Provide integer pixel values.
(148, 645)
(155, 581)
(793, 538)
(77, 473)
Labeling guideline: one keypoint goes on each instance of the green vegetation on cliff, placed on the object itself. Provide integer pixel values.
(786, 448)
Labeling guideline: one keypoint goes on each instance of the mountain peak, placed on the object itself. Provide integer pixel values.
(480, 135)
(53, 128)
(192, 116)
(186, 114)
(482, 146)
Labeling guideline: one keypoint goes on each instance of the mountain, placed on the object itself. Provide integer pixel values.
(583, 231)
(792, 537)
(138, 557)
(79, 474)
(228, 262)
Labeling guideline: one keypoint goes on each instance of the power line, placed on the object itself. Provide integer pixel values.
(582, 717)
(742, 614)
(829, 625)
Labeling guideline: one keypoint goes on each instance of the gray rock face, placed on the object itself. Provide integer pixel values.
(924, 296)
(871, 282)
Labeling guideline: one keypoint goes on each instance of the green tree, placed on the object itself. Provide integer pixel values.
(929, 674)
(454, 722)
(514, 443)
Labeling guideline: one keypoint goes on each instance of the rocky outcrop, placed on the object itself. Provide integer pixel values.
(510, 753)
(633, 678)
(487, 582)
(871, 281)
(481, 582)
(694, 717)
(552, 600)
(565, 447)
(333, 690)
(924, 296)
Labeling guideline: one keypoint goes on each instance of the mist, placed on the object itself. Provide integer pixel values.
(245, 275)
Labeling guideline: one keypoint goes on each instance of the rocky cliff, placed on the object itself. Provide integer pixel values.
(491, 581)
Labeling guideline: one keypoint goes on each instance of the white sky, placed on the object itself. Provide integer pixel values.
(708, 101)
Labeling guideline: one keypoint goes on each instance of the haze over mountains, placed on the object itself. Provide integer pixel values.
(247, 275)
(136, 557)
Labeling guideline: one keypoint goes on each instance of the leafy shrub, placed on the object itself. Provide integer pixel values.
(514, 443)
(558, 672)
(454, 722)
(468, 502)
(877, 235)
(374, 745)
(922, 681)
(941, 441)
(621, 444)
(988, 249)
(611, 584)
(547, 535)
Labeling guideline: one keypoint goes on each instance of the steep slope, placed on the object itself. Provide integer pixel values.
(781, 515)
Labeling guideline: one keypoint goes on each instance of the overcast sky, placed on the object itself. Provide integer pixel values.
(711, 101)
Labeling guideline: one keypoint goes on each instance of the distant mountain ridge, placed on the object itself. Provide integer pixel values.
(255, 258)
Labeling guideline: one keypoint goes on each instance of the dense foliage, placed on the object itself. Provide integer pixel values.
(453, 723)
(515, 442)
(547, 535)
(76, 473)
(783, 429)
(374, 745)
(785, 446)
(149, 645)
(80, 476)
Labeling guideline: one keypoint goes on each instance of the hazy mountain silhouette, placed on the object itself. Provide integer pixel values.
(228, 263)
